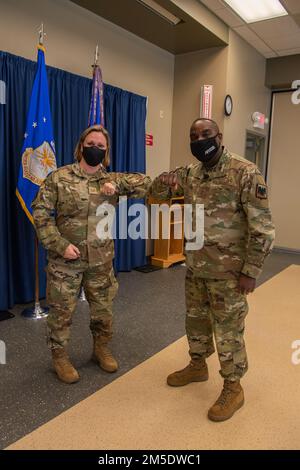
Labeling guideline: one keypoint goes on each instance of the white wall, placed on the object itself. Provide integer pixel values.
(126, 60)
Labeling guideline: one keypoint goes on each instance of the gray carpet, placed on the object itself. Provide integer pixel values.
(149, 315)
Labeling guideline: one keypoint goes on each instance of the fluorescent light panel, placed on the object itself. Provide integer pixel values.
(160, 11)
(257, 10)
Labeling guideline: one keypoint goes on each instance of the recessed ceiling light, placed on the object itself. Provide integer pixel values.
(257, 10)
(160, 11)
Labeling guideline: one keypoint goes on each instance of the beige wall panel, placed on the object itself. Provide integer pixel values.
(282, 71)
(284, 171)
(191, 72)
(245, 83)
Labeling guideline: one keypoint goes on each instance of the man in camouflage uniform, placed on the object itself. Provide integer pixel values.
(238, 235)
(66, 218)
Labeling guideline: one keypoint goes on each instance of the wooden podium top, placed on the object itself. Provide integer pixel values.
(152, 200)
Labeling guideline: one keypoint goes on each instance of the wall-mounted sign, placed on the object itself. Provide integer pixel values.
(206, 101)
(149, 140)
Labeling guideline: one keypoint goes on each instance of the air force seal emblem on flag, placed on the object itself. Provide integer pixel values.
(38, 163)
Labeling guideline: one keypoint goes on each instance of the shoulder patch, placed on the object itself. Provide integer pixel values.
(261, 191)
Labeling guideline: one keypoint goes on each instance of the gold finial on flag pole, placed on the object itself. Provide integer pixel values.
(96, 56)
(42, 34)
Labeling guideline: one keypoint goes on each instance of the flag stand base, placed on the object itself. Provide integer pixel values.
(36, 312)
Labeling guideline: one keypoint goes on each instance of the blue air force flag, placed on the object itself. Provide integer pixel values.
(38, 152)
(96, 114)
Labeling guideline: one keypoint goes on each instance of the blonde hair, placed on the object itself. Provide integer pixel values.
(96, 128)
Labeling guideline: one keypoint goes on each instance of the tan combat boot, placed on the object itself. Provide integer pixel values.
(103, 355)
(63, 367)
(196, 371)
(230, 400)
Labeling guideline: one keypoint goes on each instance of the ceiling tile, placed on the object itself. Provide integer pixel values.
(292, 6)
(289, 51)
(260, 46)
(280, 43)
(213, 5)
(285, 25)
(246, 33)
(229, 17)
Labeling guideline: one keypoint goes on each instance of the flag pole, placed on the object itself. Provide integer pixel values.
(81, 295)
(37, 312)
(37, 274)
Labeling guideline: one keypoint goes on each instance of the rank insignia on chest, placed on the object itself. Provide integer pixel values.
(261, 191)
(93, 190)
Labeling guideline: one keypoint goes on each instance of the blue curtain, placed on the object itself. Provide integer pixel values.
(123, 111)
(69, 101)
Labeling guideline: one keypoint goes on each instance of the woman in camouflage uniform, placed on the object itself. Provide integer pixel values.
(66, 218)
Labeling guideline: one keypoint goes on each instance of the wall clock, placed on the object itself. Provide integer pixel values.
(228, 105)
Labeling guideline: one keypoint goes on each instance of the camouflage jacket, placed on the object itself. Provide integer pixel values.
(64, 212)
(238, 228)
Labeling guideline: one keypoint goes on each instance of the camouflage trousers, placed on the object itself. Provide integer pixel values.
(216, 308)
(63, 287)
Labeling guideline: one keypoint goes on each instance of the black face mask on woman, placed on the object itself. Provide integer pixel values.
(205, 149)
(93, 155)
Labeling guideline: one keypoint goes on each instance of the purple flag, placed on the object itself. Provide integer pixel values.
(96, 114)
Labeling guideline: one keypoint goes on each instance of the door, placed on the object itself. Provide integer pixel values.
(284, 170)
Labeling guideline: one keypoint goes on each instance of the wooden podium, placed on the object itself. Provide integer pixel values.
(168, 251)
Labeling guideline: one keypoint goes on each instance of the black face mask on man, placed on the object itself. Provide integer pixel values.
(93, 155)
(205, 149)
